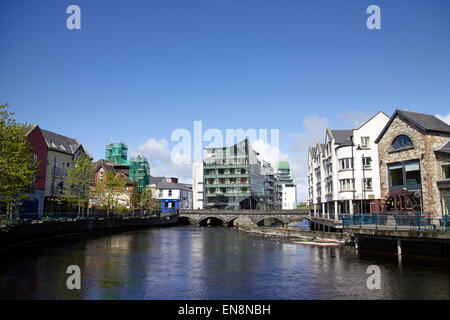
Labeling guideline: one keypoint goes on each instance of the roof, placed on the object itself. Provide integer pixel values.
(341, 136)
(119, 170)
(426, 123)
(172, 185)
(283, 165)
(60, 143)
(365, 122)
(156, 180)
(444, 148)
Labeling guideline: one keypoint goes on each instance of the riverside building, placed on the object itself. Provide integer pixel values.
(288, 188)
(234, 178)
(414, 155)
(343, 173)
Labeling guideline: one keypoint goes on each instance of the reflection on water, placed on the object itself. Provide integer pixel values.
(213, 263)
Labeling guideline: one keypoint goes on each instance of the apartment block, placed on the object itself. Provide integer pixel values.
(343, 172)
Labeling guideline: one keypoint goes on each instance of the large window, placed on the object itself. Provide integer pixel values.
(346, 184)
(346, 163)
(402, 142)
(404, 175)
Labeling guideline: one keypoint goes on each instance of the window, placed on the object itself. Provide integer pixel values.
(404, 174)
(367, 162)
(412, 173)
(170, 193)
(446, 172)
(346, 184)
(445, 196)
(396, 175)
(368, 184)
(346, 163)
(365, 142)
(402, 142)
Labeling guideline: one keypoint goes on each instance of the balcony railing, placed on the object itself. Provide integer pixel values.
(381, 221)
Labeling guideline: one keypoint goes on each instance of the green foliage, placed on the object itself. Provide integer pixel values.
(148, 199)
(77, 183)
(109, 193)
(17, 167)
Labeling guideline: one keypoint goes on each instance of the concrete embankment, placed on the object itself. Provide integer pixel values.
(306, 236)
(14, 235)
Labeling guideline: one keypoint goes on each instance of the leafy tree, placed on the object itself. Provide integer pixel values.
(17, 166)
(109, 194)
(77, 183)
(149, 199)
(135, 196)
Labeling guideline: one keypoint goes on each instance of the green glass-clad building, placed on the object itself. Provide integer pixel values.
(232, 178)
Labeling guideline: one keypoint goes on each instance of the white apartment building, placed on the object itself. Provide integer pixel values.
(343, 173)
(197, 185)
(289, 197)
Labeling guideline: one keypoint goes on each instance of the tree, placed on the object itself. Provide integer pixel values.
(109, 193)
(135, 196)
(17, 166)
(149, 198)
(77, 183)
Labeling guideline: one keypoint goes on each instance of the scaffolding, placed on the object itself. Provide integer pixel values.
(117, 153)
(140, 172)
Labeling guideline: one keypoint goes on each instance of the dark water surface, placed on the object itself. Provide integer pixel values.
(213, 263)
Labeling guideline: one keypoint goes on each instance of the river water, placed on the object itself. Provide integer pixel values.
(185, 262)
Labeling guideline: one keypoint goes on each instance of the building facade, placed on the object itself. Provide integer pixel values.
(197, 185)
(55, 153)
(235, 178)
(288, 188)
(100, 169)
(170, 192)
(414, 155)
(343, 173)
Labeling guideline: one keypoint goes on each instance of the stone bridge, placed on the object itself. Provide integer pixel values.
(241, 217)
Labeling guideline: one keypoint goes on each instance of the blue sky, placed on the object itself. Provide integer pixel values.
(137, 70)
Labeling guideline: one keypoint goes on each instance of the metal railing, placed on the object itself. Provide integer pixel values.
(383, 221)
(30, 218)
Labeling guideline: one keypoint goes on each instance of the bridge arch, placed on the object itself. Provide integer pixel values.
(270, 220)
(212, 221)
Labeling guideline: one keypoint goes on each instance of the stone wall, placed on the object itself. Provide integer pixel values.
(430, 167)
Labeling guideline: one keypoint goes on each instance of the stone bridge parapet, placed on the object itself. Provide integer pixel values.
(242, 217)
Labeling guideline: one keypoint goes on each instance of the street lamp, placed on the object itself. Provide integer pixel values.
(353, 174)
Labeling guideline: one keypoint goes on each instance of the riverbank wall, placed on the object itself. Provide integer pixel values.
(295, 233)
(15, 235)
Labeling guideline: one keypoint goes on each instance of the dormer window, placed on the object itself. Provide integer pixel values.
(402, 142)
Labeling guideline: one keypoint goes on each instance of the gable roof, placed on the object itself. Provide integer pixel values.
(444, 148)
(172, 185)
(341, 136)
(367, 121)
(156, 180)
(426, 123)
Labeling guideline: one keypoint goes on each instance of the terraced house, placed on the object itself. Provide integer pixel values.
(55, 153)
(343, 172)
